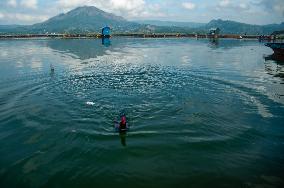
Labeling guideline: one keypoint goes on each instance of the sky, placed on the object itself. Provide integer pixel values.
(258, 12)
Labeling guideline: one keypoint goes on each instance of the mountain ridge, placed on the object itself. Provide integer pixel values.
(171, 23)
(233, 27)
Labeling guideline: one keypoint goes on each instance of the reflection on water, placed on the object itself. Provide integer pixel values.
(51, 73)
(123, 138)
(86, 49)
(106, 41)
(214, 42)
(274, 65)
(279, 59)
(82, 49)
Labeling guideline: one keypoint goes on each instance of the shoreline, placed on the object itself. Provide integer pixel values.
(135, 35)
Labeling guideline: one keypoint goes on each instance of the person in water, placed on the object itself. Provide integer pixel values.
(123, 124)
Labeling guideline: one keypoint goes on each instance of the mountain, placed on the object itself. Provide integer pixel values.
(271, 28)
(281, 32)
(88, 19)
(171, 23)
(85, 19)
(232, 27)
(6, 29)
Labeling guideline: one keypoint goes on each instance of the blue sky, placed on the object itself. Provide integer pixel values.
(247, 11)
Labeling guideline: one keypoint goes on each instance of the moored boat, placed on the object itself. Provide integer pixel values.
(277, 47)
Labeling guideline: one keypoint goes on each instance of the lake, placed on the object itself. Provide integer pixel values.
(201, 113)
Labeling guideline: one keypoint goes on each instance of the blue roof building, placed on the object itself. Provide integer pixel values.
(106, 31)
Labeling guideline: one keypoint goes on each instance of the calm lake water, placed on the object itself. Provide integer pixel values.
(202, 114)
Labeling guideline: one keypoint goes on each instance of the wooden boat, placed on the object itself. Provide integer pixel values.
(277, 47)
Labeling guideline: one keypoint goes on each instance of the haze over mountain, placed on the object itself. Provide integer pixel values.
(88, 19)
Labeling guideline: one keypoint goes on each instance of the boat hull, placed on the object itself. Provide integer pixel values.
(278, 48)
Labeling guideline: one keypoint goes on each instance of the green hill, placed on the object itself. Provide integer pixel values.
(232, 27)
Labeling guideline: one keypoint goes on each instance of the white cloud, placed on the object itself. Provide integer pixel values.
(279, 8)
(152, 10)
(70, 3)
(224, 3)
(126, 8)
(227, 5)
(32, 4)
(272, 7)
(1, 15)
(243, 6)
(23, 17)
(12, 3)
(189, 5)
(127, 4)
(106, 4)
(27, 17)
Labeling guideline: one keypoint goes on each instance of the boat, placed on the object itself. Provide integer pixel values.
(278, 58)
(277, 47)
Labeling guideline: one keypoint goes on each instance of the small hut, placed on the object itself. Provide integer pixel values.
(106, 32)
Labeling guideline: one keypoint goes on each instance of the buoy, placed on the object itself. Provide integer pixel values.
(51, 68)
